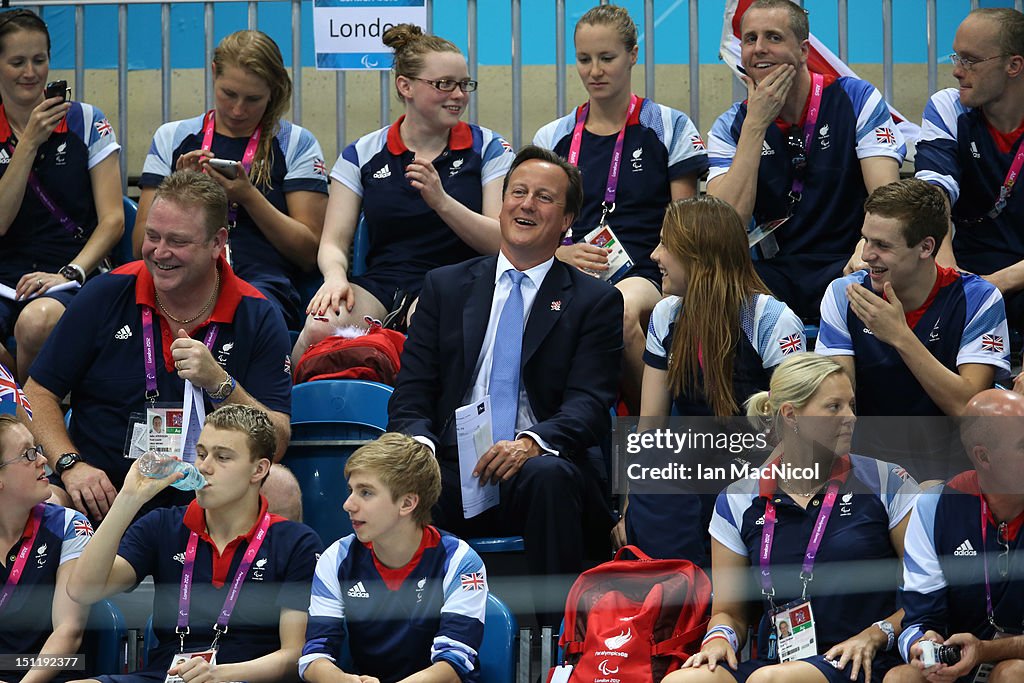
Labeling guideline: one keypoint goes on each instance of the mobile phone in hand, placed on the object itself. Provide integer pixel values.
(228, 168)
(57, 89)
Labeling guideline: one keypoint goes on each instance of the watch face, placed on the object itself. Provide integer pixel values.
(65, 461)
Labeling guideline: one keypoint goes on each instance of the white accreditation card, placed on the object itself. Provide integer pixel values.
(473, 436)
(794, 624)
(618, 260)
(208, 655)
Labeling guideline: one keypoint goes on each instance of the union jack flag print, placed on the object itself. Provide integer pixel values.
(319, 168)
(103, 127)
(474, 581)
(697, 142)
(992, 342)
(9, 387)
(82, 528)
(790, 344)
(885, 135)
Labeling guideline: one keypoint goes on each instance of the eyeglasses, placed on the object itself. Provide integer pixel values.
(448, 85)
(797, 153)
(31, 454)
(968, 64)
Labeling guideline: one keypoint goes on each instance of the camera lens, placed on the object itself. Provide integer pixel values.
(947, 654)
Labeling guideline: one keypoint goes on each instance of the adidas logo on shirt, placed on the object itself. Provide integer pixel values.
(384, 172)
(766, 150)
(965, 549)
(5, 158)
(357, 591)
(123, 333)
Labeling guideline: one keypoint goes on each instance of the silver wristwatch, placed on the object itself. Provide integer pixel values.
(889, 631)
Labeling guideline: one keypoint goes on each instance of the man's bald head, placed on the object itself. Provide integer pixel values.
(985, 422)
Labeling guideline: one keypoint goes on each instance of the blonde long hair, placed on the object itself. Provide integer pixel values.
(257, 52)
(706, 235)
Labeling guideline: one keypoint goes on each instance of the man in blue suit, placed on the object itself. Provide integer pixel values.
(568, 371)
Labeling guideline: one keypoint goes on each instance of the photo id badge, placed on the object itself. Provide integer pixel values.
(158, 429)
(794, 628)
(763, 236)
(208, 655)
(619, 261)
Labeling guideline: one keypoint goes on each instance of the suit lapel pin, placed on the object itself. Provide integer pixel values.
(556, 305)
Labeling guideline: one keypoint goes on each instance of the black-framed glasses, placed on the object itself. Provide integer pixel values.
(448, 85)
(30, 454)
(968, 64)
(795, 146)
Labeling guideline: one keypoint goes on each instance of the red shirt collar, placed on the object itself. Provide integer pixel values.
(195, 520)
(967, 482)
(634, 118)
(829, 79)
(841, 466)
(460, 137)
(1004, 141)
(943, 278)
(5, 128)
(393, 578)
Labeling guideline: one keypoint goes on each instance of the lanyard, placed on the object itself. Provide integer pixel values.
(817, 534)
(612, 184)
(23, 552)
(990, 611)
(66, 222)
(185, 591)
(810, 123)
(149, 350)
(1007, 187)
(247, 156)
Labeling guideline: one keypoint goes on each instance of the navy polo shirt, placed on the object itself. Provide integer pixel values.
(279, 578)
(962, 321)
(958, 152)
(95, 352)
(853, 124)
(297, 164)
(874, 497)
(661, 145)
(25, 623)
(944, 571)
(407, 238)
(36, 240)
(771, 331)
(398, 621)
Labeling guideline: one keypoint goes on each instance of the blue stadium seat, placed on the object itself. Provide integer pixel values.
(122, 253)
(498, 651)
(497, 544)
(360, 246)
(103, 643)
(811, 332)
(330, 420)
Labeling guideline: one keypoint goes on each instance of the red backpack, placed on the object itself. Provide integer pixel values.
(372, 354)
(634, 620)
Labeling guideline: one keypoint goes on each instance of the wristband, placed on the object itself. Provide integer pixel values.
(723, 631)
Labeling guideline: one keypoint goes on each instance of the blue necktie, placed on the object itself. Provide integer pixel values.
(508, 349)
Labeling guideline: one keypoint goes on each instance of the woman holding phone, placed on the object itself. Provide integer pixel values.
(272, 170)
(60, 189)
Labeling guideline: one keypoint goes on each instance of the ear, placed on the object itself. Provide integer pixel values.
(404, 86)
(220, 238)
(980, 456)
(633, 55)
(408, 504)
(1015, 66)
(788, 414)
(805, 51)
(213, 69)
(928, 247)
(261, 471)
(567, 220)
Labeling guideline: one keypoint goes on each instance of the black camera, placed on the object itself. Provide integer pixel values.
(57, 89)
(933, 653)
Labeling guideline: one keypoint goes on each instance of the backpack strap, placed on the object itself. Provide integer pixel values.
(672, 645)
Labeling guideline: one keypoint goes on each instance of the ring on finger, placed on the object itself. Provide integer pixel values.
(39, 282)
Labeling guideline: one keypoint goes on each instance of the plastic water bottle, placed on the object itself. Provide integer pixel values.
(159, 466)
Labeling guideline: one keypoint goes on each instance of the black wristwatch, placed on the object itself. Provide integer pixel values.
(66, 462)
